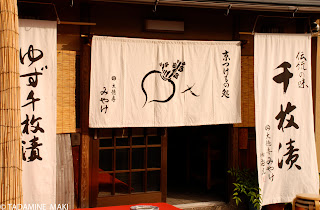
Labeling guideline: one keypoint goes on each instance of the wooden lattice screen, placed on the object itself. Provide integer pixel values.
(10, 119)
(247, 93)
(66, 85)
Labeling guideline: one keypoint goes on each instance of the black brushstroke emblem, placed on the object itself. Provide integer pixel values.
(166, 75)
(189, 89)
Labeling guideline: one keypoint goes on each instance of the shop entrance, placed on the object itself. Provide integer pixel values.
(197, 164)
(128, 166)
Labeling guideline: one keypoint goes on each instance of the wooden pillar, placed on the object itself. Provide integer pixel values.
(164, 170)
(234, 148)
(243, 138)
(233, 157)
(317, 101)
(84, 124)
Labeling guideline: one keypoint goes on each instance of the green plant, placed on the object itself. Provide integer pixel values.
(246, 183)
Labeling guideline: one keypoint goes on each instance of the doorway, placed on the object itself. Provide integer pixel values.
(197, 164)
(128, 166)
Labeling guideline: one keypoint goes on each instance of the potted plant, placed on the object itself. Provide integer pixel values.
(246, 184)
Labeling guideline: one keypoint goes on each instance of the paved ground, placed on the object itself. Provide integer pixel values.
(199, 201)
(177, 198)
(211, 205)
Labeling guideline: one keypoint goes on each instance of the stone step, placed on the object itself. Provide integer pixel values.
(211, 205)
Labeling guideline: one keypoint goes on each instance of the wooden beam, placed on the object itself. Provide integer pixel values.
(76, 23)
(84, 124)
(246, 33)
(317, 102)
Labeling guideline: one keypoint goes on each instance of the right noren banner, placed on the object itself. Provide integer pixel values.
(286, 153)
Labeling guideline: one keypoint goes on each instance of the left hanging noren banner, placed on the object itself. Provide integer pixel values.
(38, 76)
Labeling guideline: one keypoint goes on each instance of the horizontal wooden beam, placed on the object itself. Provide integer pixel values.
(76, 23)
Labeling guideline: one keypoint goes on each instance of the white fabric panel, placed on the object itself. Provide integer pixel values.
(132, 71)
(286, 155)
(38, 50)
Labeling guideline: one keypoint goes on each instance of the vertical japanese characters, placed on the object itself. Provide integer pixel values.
(284, 120)
(266, 161)
(104, 96)
(31, 123)
(113, 90)
(104, 100)
(225, 65)
(292, 155)
(301, 68)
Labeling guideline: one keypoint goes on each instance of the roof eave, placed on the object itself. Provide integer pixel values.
(224, 5)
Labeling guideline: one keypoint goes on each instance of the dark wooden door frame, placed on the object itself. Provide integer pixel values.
(94, 167)
(149, 196)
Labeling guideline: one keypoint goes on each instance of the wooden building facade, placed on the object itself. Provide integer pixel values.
(138, 165)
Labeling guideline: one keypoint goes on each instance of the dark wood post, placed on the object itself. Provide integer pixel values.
(164, 147)
(84, 124)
